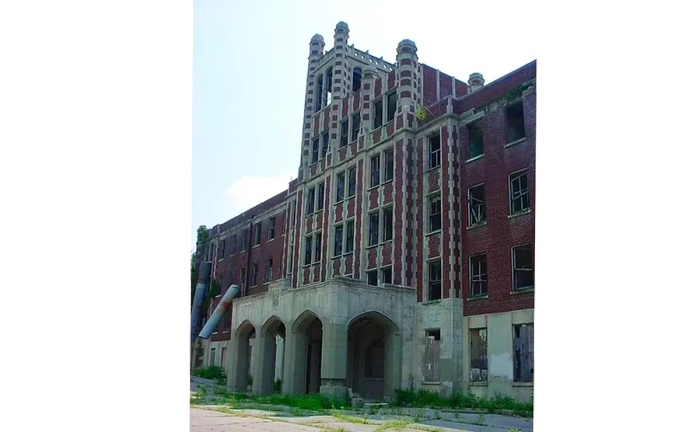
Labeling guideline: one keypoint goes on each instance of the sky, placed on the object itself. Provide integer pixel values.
(249, 67)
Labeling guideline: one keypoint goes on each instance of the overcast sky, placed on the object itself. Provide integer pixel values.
(250, 61)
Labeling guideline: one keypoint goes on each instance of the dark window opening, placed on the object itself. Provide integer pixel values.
(325, 139)
(388, 222)
(258, 231)
(523, 277)
(386, 275)
(271, 228)
(515, 122)
(319, 203)
(343, 133)
(317, 254)
(329, 85)
(372, 278)
(477, 275)
(374, 360)
(476, 140)
(338, 241)
(307, 250)
(314, 151)
(319, 93)
(255, 274)
(478, 360)
(245, 239)
(349, 236)
(389, 165)
(355, 126)
(294, 212)
(378, 115)
(268, 270)
(519, 196)
(435, 221)
(374, 171)
(434, 280)
(222, 249)
(351, 182)
(477, 205)
(243, 277)
(431, 366)
(340, 187)
(311, 198)
(373, 228)
(523, 352)
(390, 107)
(356, 79)
(434, 157)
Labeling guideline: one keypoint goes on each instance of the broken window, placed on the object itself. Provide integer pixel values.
(307, 250)
(389, 165)
(255, 274)
(245, 239)
(374, 171)
(515, 122)
(378, 115)
(374, 360)
(519, 196)
(268, 270)
(373, 228)
(344, 133)
(340, 187)
(271, 228)
(310, 199)
(434, 157)
(523, 277)
(325, 138)
(317, 255)
(351, 182)
(356, 79)
(319, 203)
(435, 280)
(478, 362)
(477, 275)
(243, 277)
(390, 107)
(523, 352)
(388, 224)
(355, 126)
(349, 236)
(431, 365)
(386, 275)
(372, 278)
(476, 140)
(329, 85)
(477, 205)
(258, 230)
(338, 241)
(435, 222)
(314, 151)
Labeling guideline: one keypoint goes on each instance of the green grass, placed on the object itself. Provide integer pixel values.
(212, 372)
(431, 399)
(350, 419)
(393, 424)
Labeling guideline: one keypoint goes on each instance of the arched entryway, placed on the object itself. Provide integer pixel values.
(373, 365)
(305, 348)
(242, 361)
(272, 331)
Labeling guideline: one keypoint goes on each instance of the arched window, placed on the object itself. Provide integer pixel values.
(374, 360)
(356, 79)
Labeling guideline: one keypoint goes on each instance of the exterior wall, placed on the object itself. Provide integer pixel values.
(499, 328)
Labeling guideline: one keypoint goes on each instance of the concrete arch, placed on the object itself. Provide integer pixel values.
(241, 353)
(380, 317)
(243, 328)
(263, 380)
(302, 322)
(271, 321)
(303, 353)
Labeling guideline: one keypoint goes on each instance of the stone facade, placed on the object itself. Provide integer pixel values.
(403, 254)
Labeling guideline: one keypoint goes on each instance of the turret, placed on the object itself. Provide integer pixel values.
(407, 83)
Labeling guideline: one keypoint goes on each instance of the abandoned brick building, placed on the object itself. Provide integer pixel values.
(403, 254)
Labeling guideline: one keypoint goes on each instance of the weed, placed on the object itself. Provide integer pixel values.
(277, 387)
(393, 424)
(350, 419)
(437, 415)
(515, 430)
(212, 372)
(431, 399)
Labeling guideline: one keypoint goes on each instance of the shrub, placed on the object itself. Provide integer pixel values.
(212, 372)
(277, 386)
(426, 398)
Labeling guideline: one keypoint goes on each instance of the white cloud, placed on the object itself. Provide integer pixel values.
(250, 191)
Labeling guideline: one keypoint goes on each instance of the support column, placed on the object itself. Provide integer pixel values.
(258, 368)
(334, 358)
(236, 360)
(294, 371)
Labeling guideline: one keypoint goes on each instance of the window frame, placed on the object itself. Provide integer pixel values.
(257, 233)
(310, 201)
(388, 162)
(318, 247)
(320, 195)
(308, 249)
(507, 118)
(370, 232)
(376, 276)
(325, 142)
(431, 152)
(480, 278)
(475, 125)
(378, 117)
(436, 263)
(355, 126)
(514, 269)
(374, 176)
(517, 175)
(340, 187)
(271, 222)
(352, 180)
(349, 236)
(344, 132)
(390, 229)
(473, 220)
(389, 114)
(268, 270)
(431, 200)
(315, 149)
(336, 253)
(383, 271)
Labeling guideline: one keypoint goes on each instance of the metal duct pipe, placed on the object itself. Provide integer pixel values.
(232, 293)
(200, 294)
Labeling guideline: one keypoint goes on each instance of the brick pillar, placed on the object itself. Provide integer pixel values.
(341, 82)
(315, 53)
(407, 83)
(369, 81)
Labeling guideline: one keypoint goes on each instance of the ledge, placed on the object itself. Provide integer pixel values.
(520, 213)
(475, 158)
(523, 291)
(478, 383)
(518, 141)
(475, 226)
(477, 298)
(523, 384)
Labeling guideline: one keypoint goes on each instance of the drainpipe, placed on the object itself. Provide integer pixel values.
(221, 309)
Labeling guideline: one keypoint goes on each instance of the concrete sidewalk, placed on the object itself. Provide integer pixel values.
(208, 420)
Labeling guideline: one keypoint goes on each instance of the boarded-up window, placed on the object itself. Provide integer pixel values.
(523, 352)
(477, 353)
(431, 365)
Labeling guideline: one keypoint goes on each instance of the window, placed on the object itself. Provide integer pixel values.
(477, 205)
(258, 230)
(351, 182)
(378, 115)
(314, 151)
(434, 280)
(222, 249)
(329, 85)
(310, 201)
(317, 255)
(243, 277)
(434, 147)
(340, 187)
(519, 196)
(319, 93)
(477, 275)
(344, 133)
(325, 138)
(307, 251)
(349, 236)
(373, 228)
(233, 244)
(515, 122)
(245, 239)
(435, 223)
(476, 140)
(478, 361)
(388, 224)
(386, 275)
(523, 352)
(374, 360)
(390, 107)
(319, 204)
(356, 79)
(294, 212)
(372, 278)
(374, 171)
(268, 270)
(523, 277)
(431, 366)
(389, 165)
(338, 241)
(212, 357)
(271, 228)
(355, 126)
(255, 274)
